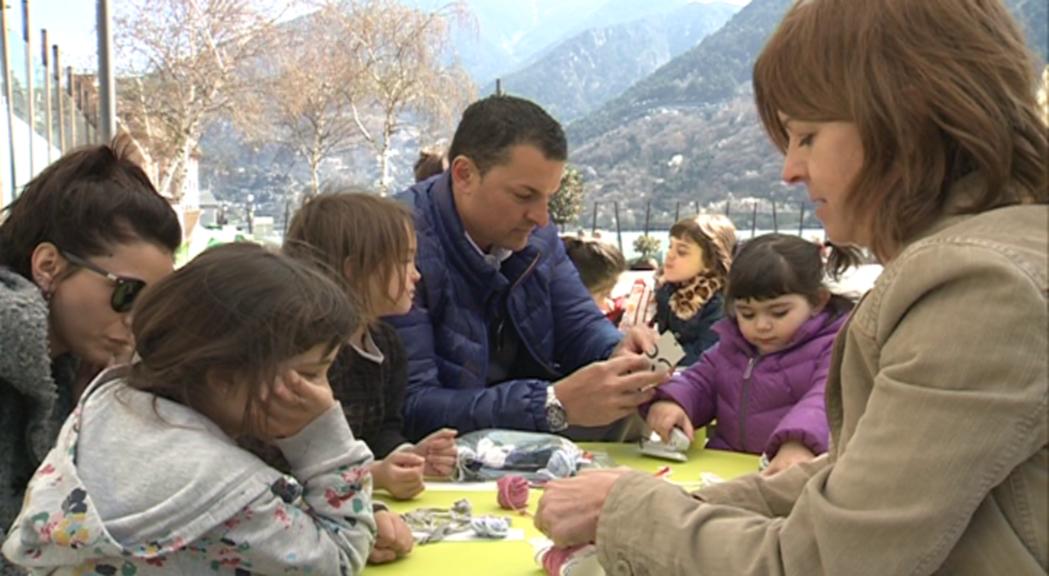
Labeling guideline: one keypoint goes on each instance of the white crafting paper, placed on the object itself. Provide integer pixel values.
(462, 486)
(470, 536)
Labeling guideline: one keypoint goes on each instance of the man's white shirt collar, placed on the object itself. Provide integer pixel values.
(497, 256)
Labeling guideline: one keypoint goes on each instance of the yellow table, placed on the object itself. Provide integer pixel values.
(516, 558)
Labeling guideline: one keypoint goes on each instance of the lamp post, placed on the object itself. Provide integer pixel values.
(250, 208)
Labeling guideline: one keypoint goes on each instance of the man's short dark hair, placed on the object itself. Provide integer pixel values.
(493, 125)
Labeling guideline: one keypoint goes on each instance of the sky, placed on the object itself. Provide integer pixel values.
(69, 23)
(72, 23)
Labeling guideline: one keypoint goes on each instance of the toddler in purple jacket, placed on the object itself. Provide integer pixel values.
(764, 379)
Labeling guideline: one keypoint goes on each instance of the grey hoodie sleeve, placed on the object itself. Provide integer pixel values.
(331, 529)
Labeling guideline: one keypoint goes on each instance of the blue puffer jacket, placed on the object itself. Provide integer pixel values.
(446, 333)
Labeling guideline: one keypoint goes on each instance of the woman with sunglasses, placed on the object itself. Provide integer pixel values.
(76, 248)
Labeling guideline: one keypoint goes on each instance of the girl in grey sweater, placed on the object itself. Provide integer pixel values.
(147, 476)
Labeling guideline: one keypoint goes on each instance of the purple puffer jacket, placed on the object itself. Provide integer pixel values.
(760, 402)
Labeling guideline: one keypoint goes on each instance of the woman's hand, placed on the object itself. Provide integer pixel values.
(569, 509)
(790, 453)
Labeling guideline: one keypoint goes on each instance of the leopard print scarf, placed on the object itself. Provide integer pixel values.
(691, 295)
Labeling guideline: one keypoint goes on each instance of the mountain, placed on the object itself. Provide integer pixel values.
(689, 132)
(499, 36)
(583, 72)
(1034, 19)
(505, 34)
(711, 72)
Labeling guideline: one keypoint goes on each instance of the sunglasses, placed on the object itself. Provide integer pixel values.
(125, 291)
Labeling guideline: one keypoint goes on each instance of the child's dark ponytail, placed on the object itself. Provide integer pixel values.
(840, 259)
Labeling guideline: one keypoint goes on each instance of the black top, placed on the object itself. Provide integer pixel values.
(695, 334)
(372, 393)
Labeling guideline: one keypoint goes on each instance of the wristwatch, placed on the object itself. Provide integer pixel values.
(556, 418)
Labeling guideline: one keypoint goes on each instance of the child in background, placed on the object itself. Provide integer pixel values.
(689, 300)
(431, 162)
(764, 379)
(366, 244)
(599, 265)
(147, 477)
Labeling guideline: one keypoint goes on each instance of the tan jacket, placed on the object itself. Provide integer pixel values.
(937, 401)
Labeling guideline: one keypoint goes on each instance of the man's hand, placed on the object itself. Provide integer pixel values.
(393, 539)
(440, 453)
(400, 474)
(569, 509)
(604, 392)
(636, 340)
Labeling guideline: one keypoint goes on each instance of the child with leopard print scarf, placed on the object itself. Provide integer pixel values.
(689, 298)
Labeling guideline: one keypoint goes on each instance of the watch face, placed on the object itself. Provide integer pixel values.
(555, 417)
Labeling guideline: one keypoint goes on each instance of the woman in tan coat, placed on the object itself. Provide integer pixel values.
(913, 126)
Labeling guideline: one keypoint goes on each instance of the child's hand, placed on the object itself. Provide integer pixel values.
(400, 474)
(790, 453)
(440, 453)
(293, 403)
(393, 539)
(665, 415)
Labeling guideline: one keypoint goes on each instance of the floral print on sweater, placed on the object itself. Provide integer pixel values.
(316, 521)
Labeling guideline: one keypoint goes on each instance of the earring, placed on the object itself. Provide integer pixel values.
(45, 290)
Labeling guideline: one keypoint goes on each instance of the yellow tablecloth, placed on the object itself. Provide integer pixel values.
(516, 558)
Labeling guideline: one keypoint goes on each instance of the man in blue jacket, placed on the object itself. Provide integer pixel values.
(503, 333)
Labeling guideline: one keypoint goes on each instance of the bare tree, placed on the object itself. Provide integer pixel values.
(401, 52)
(300, 102)
(181, 62)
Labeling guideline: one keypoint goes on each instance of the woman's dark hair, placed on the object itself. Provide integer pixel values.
(237, 311)
(774, 265)
(84, 203)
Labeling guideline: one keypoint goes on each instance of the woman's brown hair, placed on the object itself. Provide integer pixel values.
(359, 240)
(938, 89)
(715, 234)
(237, 311)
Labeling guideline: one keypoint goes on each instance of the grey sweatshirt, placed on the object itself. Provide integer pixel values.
(165, 491)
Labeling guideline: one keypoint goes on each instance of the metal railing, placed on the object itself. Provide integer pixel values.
(48, 109)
